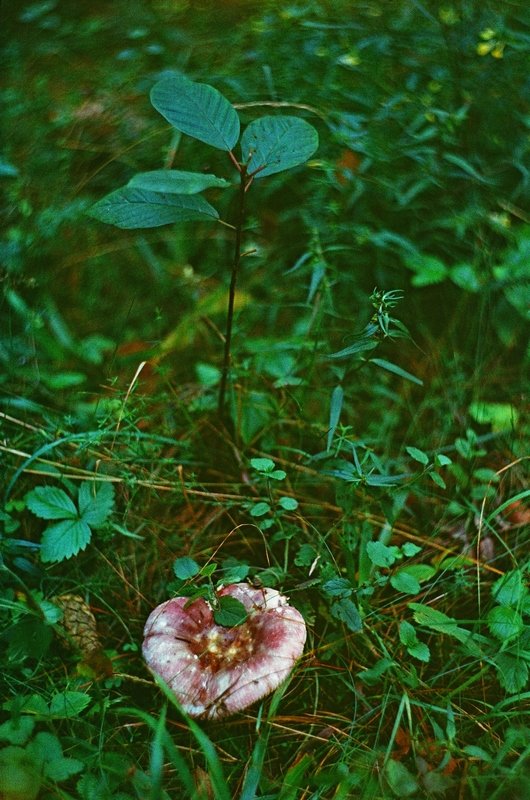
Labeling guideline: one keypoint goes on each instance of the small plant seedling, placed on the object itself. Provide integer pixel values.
(72, 530)
(268, 145)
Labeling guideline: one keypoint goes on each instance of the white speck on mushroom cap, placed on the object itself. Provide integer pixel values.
(213, 670)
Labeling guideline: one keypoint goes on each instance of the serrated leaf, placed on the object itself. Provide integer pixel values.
(231, 612)
(512, 672)
(381, 555)
(420, 651)
(64, 705)
(176, 181)
(505, 622)
(63, 768)
(273, 144)
(337, 587)
(17, 730)
(131, 208)
(418, 455)
(198, 110)
(95, 502)
(64, 540)
(404, 582)
(510, 589)
(48, 502)
(390, 367)
(347, 612)
(185, 568)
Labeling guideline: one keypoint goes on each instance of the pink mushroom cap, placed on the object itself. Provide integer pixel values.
(215, 671)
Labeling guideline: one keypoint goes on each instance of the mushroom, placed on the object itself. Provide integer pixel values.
(214, 670)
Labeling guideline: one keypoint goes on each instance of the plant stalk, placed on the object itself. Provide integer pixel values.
(232, 292)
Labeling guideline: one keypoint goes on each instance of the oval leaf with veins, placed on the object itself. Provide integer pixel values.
(215, 670)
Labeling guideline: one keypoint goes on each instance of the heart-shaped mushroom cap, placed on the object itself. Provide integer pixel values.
(214, 670)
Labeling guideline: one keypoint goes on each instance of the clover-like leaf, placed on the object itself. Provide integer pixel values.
(95, 502)
(48, 502)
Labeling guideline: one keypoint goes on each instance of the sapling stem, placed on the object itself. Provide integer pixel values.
(232, 292)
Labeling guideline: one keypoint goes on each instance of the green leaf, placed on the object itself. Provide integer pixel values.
(260, 509)
(380, 362)
(17, 730)
(440, 622)
(437, 479)
(288, 503)
(64, 540)
(415, 648)
(277, 475)
(337, 587)
(231, 612)
(347, 612)
(185, 568)
(359, 346)
(137, 208)
(176, 181)
(381, 555)
(501, 416)
(262, 464)
(47, 502)
(273, 144)
(65, 705)
(337, 397)
(512, 672)
(422, 572)
(198, 110)
(441, 460)
(505, 622)
(400, 780)
(404, 582)
(410, 549)
(95, 502)
(510, 589)
(418, 455)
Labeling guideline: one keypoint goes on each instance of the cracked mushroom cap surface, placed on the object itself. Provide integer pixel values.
(213, 670)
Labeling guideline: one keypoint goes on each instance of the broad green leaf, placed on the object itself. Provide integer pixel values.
(68, 704)
(262, 464)
(402, 581)
(231, 612)
(337, 397)
(337, 587)
(347, 612)
(373, 675)
(273, 144)
(512, 672)
(418, 455)
(64, 540)
(390, 367)
(48, 502)
(381, 555)
(260, 509)
(400, 780)
(410, 549)
(138, 208)
(504, 622)
(510, 590)
(501, 416)
(17, 730)
(422, 572)
(288, 503)
(175, 181)
(408, 637)
(198, 110)
(96, 501)
(185, 568)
